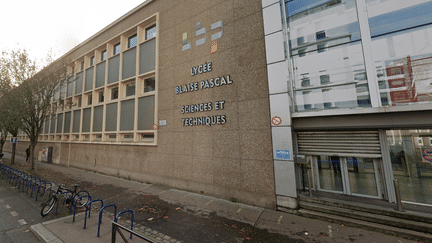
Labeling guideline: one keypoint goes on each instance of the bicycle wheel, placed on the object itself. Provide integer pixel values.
(48, 206)
(83, 201)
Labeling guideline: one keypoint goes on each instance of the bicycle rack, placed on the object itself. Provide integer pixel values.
(29, 183)
(122, 212)
(100, 215)
(50, 192)
(25, 180)
(34, 184)
(18, 178)
(40, 185)
(74, 203)
(64, 200)
(88, 208)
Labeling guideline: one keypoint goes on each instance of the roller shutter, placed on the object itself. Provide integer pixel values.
(341, 143)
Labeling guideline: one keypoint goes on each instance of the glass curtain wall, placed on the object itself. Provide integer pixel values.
(326, 53)
(401, 33)
(411, 159)
(325, 48)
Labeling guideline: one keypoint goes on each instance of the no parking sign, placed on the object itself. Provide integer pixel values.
(427, 155)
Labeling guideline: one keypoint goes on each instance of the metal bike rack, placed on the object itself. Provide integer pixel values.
(100, 215)
(64, 200)
(122, 212)
(88, 208)
(74, 203)
(40, 185)
(34, 184)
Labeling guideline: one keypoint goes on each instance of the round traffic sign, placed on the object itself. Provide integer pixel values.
(276, 121)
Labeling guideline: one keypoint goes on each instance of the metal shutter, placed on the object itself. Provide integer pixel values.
(341, 143)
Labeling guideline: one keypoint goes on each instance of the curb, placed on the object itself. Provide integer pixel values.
(46, 236)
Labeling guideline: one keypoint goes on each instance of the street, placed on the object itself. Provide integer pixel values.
(17, 212)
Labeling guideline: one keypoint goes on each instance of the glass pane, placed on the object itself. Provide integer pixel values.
(327, 56)
(411, 158)
(133, 40)
(116, 49)
(329, 172)
(151, 32)
(149, 84)
(361, 172)
(130, 89)
(401, 34)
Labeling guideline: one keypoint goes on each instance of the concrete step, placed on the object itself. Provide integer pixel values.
(369, 208)
(385, 229)
(370, 217)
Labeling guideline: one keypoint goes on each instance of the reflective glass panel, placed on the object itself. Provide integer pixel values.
(411, 159)
(401, 34)
(361, 173)
(329, 172)
(327, 56)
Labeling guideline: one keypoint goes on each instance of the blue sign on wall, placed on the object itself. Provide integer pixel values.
(14, 140)
(283, 154)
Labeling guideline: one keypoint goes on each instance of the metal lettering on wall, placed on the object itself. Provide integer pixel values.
(203, 106)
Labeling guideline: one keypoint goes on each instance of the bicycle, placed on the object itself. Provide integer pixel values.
(63, 191)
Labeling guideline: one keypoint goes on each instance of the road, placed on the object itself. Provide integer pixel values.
(17, 213)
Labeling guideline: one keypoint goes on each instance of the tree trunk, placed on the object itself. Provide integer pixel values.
(13, 153)
(2, 142)
(32, 148)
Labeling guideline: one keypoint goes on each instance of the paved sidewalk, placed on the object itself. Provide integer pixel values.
(297, 228)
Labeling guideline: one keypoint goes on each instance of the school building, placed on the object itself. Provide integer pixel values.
(245, 99)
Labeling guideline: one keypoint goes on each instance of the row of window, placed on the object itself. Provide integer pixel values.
(112, 99)
(132, 41)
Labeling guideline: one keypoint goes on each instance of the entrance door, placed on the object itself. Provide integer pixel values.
(347, 175)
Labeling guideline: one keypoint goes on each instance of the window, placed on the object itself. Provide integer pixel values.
(79, 102)
(82, 66)
(302, 53)
(101, 97)
(150, 32)
(116, 49)
(325, 79)
(305, 81)
(114, 93)
(300, 40)
(321, 48)
(103, 55)
(130, 89)
(92, 60)
(132, 41)
(89, 99)
(149, 85)
(320, 35)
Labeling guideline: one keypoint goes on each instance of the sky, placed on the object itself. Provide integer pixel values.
(39, 25)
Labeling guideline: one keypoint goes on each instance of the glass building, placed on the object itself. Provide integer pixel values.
(352, 80)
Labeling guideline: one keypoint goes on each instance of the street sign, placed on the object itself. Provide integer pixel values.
(276, 121)
(283, 154)
(14, 140)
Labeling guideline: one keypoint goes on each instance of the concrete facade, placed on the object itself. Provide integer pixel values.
(230, 158)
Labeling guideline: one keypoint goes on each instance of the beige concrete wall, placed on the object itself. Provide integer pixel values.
(230, 160)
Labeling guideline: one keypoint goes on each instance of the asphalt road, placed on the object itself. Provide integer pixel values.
(17, 213)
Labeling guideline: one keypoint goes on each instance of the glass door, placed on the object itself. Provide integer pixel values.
(347, 175)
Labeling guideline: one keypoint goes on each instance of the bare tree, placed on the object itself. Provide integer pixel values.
(15, 67)
(11, 113)
(37, 94)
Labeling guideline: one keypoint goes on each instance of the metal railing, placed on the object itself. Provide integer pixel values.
(117, 228)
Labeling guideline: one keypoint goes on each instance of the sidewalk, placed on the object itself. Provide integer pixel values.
(217, 220)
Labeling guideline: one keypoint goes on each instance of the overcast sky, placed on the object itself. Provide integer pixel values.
(38, 25)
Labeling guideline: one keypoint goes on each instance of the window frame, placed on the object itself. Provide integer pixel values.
(134, 36)
(103, 55)
(115, 46)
